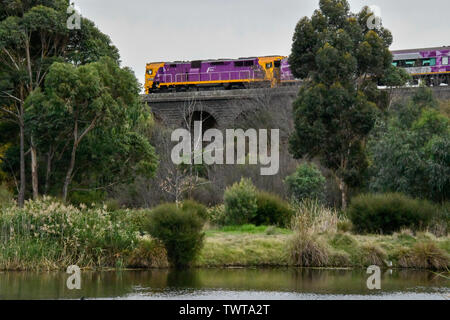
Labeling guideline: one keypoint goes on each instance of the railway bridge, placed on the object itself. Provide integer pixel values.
(221, 108)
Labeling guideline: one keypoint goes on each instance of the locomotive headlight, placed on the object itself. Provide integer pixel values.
(149, 72)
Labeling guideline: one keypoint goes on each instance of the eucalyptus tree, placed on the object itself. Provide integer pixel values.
(341, 60)
(34, 35)
(97, 96)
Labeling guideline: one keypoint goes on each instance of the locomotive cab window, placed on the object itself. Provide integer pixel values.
(196, 64)
(149, 72)
(269, 65)
(277, 64)
(445, 61)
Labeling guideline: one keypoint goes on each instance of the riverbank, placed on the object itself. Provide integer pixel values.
(266, 247)
(48, 235)
(271, 247)
(402, 250)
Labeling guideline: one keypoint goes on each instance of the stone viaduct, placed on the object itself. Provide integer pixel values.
(224, 107)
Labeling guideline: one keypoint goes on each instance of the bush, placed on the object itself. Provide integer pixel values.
(306, 183)
(389, 213)
(190, 205)
(179, 229)
(240, 203)
(216, 215)
(272, 210)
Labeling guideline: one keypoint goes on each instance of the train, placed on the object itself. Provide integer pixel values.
(267, 71)
(429, 65)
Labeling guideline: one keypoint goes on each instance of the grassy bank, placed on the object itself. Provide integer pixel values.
(344, 250)
(48, 235)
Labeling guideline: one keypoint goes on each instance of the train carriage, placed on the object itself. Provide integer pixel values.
(429, 65)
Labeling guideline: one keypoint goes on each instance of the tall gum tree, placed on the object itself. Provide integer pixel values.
(341, 61)
(33, 35)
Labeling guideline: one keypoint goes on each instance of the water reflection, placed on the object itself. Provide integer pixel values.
(217, 283)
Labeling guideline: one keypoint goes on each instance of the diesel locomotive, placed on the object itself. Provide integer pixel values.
(270, 71)
(429, 65)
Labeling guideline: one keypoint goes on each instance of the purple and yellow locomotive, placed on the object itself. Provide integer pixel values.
(268, 71)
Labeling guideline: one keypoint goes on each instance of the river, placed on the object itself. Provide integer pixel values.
(226, 284)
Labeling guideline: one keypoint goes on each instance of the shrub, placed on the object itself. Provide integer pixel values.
(307, 182)
(388, 213)
(240, 203)
(272, 210)
(179, 229)
(190, 205)
(216, 215)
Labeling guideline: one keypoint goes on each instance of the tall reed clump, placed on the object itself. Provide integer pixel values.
(311, 219)
(47, 234)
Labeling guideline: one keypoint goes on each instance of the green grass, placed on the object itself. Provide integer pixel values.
(248, 229)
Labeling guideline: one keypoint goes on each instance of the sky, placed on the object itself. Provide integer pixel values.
(176, 30)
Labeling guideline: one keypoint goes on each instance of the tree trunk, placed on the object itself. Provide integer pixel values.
(343, 189)
(34, 171)
(21, 196)
(48, 171)
(68, 179)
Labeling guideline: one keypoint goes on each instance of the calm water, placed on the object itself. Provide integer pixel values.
(230, 284)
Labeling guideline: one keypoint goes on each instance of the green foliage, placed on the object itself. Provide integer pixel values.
(100, 101)
(82, 236)
(87, 198)
(179, 229)
(190, 205)
(395, 77)
(33, 39)
(241, 204)
(341, 61)
(307, 182)
(388, 213)
(272, 210)
(412, 153)
(217, 215)
(6, 198)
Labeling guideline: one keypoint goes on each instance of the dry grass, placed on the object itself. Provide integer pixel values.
(423, 255)
(308, 251)
(313, 217)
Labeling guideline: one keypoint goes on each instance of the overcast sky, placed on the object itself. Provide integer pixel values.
(164, 30)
